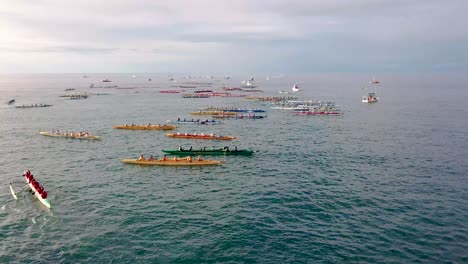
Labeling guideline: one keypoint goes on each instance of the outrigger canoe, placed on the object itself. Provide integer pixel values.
(240, 116)
(195, 152)
(201, 136)
(197, 122)
(44, 201)
(69, 136)
(145, 127)
(173, 162)
(212, 113)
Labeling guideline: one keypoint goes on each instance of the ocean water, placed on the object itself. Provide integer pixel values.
(383, 183)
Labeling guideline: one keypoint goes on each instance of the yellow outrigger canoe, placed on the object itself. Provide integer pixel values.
(173, 162)
(145, 127)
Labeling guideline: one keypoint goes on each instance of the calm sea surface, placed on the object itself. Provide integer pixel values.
(383, 183)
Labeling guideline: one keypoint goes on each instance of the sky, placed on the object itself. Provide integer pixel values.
(242, 36)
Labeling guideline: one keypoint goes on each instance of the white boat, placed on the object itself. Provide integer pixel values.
(370, 98)
(283, 92)
(295, 88)
(248, 84)
(45, 201)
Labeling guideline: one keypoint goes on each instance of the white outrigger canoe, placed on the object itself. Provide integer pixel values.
(45, 202)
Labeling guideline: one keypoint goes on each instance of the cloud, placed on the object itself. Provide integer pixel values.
(360, 33)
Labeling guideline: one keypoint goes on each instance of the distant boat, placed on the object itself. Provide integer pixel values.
(370, 97)
(133, 76)
(149, 80)
(227, 77)
(283, 92)
(85, 76)
(106, 80)
(12, 101)
(295, 88)
(249, 84)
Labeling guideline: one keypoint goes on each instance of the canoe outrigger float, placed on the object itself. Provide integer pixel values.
(204, 151)
(70, 135)
(201, 136)
(173, 162)
(13, 193)
(145, 127)
(36, 188)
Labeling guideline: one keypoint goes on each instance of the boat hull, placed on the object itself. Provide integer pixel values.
(171, 162)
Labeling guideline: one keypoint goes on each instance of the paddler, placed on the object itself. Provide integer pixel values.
(150, 158)
(141, 158)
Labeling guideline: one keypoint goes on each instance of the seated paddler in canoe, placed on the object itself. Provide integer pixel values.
(165, 161)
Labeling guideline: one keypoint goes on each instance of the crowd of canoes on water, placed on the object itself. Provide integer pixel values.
(233, 109)
(308, 107)
(271, 98)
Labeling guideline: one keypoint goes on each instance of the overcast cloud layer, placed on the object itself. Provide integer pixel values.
(233, 36)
